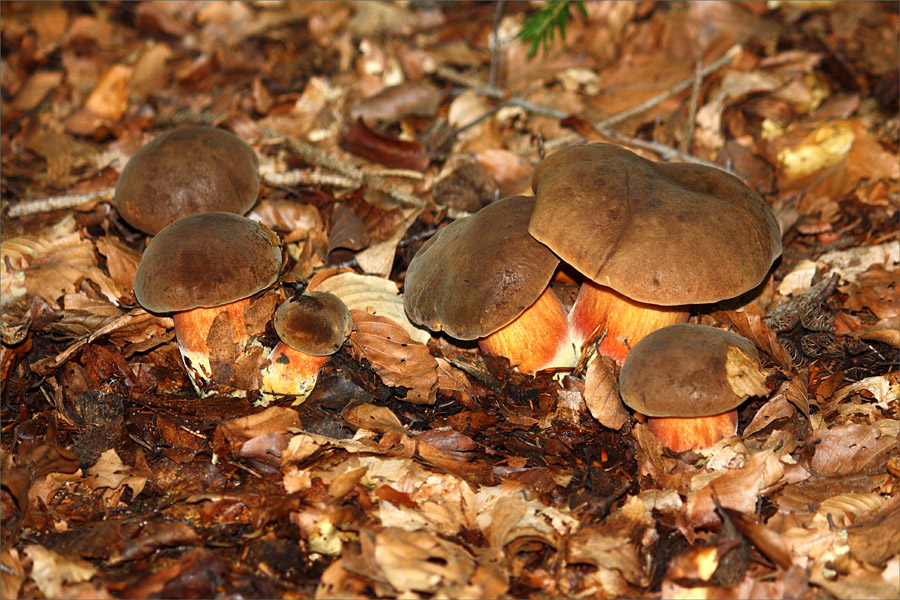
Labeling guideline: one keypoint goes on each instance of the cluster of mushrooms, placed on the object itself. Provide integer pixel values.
(189, 188)
(650, 240)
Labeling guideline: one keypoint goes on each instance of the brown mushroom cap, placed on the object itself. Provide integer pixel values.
(206, 260)
(184, 172)
(479, 273)
(689, 371)
(660, 233)
(315, 323)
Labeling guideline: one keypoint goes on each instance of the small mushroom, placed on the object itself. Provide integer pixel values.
(689, 380)
(484, 277)
(203, 269)
(651, 238)
(184, 172)
(311, 328)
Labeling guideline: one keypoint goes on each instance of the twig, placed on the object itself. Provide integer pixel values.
(45, 205)
(313, 155)
(300, 176)
(495, 45)
(673, 91)
(693, 105)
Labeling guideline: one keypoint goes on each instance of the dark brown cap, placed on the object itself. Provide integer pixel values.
(479, 273)
(315, 323)
(659, 233)
(184, 172)
(206, 260)
(690, 371)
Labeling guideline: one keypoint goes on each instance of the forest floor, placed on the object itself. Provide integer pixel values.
(418, 468)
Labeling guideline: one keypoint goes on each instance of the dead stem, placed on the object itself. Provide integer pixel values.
(691, 123)
(54, 203)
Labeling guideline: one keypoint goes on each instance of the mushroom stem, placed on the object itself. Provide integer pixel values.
(197, 339)
(291, 372)
(536, 339)
(680, 434)
(626, 321)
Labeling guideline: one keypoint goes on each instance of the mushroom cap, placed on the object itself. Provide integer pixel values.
(479, 273)
(184, 172)
(206, 260)
(688, 370)
(659, 233)
(315, 323)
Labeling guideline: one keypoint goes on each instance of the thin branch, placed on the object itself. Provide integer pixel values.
(46, 205)
(672, 91)
(495, 45)
(691, 123)
(304, 177)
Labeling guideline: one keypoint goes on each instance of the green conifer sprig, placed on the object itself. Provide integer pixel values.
(540, 26)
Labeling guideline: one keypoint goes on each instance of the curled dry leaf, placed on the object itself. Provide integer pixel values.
(110, 472)
(378, 259)
(737, 489)
(421, 561)
(845, 509)
(391, 152)
(66, 157)
(231, 435)
(346, 230)
(379, 419)
(121, 262)
(601, 393)
(399, 360)
(755, 329)
(49, 265)
(418, 98)
(294, 221)
(375, 295)
(52, 571)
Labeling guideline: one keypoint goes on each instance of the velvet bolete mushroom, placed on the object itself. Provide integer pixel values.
(484, 277)
(689, 380)
(203, 269)
(311, 328)
(184, 172)
(651, 238)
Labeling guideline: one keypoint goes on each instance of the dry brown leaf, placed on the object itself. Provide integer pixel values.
(735, 86)
(234, 433)
(152, 71)
(109, 98)
(121, 262)
(845, 509)
(397, 358)
(50, 264)
(13, 573)
(393, 103)
(375, 295)
(346, 230)
(35, 89)
(852, 448)
(66, 157)
(379, 419)
(601, 393)
(378, 259)
(752, 327)
(52, 571)
(110, 472)
(294, 221)
(737, 489)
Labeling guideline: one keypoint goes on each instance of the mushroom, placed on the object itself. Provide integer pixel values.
(184, 172)
(203, 269)
(689, 379)
(311, 328)
(483, 277)
(651, 238)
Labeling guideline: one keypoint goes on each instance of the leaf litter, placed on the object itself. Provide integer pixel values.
(417, 467)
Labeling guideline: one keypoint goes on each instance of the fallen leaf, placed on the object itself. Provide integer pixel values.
(52, 571)
(398, 359)
(601, 393)
(852, 448)
(36, 89)
(389, 151)
(346, 229)
(375, 295)
(391, 104)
